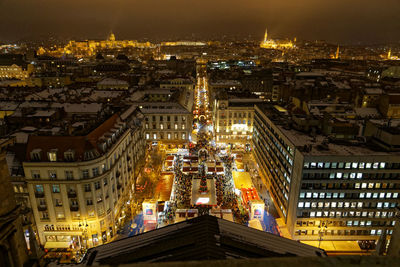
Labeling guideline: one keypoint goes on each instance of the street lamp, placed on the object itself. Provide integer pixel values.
(85, 226)
(321, 226)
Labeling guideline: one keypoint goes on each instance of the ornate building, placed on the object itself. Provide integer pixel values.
(275, 44)
(91, 47)
(13, 251)
(78, 185)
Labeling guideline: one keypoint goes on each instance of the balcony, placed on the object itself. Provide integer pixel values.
(42, 207)
(71, 194)
(39, 194)
(74, 208)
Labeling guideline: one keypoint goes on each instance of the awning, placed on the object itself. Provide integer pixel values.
(50, 244)
(242, 180)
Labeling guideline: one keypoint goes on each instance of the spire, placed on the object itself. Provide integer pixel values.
(266, 35)
(112, 37)
(337, 52)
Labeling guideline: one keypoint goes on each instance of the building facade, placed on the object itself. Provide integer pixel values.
(78, 185)
(172, 127)
(13, 249)
(323, 190)
(233, 121)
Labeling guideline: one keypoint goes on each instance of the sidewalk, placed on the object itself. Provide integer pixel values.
(350, 247)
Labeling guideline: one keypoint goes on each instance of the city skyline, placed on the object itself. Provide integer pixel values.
(337, 21)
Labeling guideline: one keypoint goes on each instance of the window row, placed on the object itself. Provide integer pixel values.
(351, 165)
(346, 214)
(169, 136)
(327, 205)
(325, 195)
(349, 175)
(348, 185)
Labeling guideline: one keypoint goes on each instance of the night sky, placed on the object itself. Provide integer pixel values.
(345, 21)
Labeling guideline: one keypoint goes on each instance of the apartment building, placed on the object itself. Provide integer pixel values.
(78, 185)
(167, 123)
(326, 189)
(233, 120)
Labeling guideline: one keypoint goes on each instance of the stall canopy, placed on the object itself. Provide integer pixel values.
(242, 180)
(50, 244)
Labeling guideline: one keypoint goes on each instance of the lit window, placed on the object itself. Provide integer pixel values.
(368, 165)
(376, 165)
(339, 175)
(56, 188)
(362, 195)
(183, 136)
(52, 155)
(364, 185)
(361, 165)
(352, 175)
(354, 165)
(307, 204)
(368, 195)
(382, 165)
(348, 165)
(370, 185)
(154, 136)
(308, 195)
(313, 165)
(147, 136)
(333, 204)
(302, 195)
(359, 175)
(301, 204)
(382, 195)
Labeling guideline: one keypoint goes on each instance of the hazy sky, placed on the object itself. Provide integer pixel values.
(333, 20)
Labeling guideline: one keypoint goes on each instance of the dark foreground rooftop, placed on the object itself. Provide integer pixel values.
(198, 239)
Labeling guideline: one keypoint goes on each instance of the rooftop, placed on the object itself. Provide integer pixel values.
(202, 238)
(318, 144)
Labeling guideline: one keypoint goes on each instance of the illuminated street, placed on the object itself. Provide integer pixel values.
(197, 180)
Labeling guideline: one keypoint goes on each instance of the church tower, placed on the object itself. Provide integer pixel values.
(266, 35)
(337, 52)
(112, 37)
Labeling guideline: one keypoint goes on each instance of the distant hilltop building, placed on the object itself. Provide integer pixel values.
(91, 47)
(183, 43)
(389, 56)
(275, 44)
